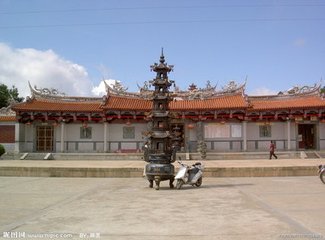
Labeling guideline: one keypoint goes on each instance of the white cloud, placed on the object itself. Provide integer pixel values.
(45, 69)
(262, 91)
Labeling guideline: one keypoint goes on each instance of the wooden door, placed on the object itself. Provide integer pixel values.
(306, 136)
(44, 139)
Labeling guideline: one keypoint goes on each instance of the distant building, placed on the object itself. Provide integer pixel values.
(226, 119)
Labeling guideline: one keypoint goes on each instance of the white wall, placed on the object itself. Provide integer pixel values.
(72, 132)
(229, 140)
(28, 145)
(279, 134)
(96, 142)
(115, 135)
(115, 132)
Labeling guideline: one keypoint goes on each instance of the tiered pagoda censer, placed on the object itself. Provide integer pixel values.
(162, 144)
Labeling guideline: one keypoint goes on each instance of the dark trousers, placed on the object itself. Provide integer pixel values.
(272, 154)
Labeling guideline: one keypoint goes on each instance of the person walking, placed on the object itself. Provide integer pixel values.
(272, 148)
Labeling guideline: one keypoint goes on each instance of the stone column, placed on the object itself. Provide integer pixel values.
(244, 125)
(105, 136)
(288, 135)
(199, 131)
(25, 137)
(17, 137)
(62, 136)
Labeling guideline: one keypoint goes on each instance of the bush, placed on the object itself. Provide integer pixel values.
(2, 150)
(202, 149)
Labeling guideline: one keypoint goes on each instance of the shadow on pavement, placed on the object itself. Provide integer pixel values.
(226, 185)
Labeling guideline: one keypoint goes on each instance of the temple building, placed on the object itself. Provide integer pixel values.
(226, 119)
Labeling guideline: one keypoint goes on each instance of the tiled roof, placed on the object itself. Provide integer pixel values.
(47, 105)
(223, 102)
(236, 101)
(127, 103)
(7, 118)
(275, 103)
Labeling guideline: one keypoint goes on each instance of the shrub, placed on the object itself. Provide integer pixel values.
(2, 150)
(202, 149)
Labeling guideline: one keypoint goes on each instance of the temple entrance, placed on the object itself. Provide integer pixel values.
(306, 136)
(44, 139)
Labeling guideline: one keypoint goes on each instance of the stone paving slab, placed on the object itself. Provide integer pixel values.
(125, 208)
(213, 168)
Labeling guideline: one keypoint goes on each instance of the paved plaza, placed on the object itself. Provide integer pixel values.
(125, 208)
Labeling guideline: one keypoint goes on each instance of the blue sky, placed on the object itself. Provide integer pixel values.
(72, 45)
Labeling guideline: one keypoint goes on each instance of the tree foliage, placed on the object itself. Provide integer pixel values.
(7, 95)
(2, 150)
(322, 90)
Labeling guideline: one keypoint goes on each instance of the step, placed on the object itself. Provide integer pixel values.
(98, 156)
(138, 172)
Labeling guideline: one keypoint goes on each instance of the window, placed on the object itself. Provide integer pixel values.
(160, 124)
(217, 131)
(128, 132)
(236, 131)
(85, 132)
(265, 131)
(160, 146)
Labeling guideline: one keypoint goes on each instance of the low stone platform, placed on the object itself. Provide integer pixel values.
(135, 156)
(213, 168)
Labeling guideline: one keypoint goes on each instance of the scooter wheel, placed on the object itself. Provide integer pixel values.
(322, 177)
(199, 182)
(179, 183)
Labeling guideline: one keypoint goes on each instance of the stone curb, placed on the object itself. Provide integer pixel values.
(138, 172)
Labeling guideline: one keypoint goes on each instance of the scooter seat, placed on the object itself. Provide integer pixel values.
(193, 171)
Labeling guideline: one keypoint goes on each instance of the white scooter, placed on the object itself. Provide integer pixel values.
(191, 175)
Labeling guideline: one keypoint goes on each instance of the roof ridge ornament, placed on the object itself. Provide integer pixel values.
(45, 91)
(116, 88)
(233, 87)
(304, 90)
(7, 111)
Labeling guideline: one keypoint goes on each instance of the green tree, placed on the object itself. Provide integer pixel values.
(7, 95)
(2, 150)
(322, 90)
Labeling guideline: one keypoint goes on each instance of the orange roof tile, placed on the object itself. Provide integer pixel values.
(7, 118)
(236, 101)
(58, 106)
(287, 103)
(126, 103)
(223, 102)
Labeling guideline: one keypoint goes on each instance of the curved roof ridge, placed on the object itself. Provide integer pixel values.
(49, 105)
(293, 92)
(68, 98)
(46, 93)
